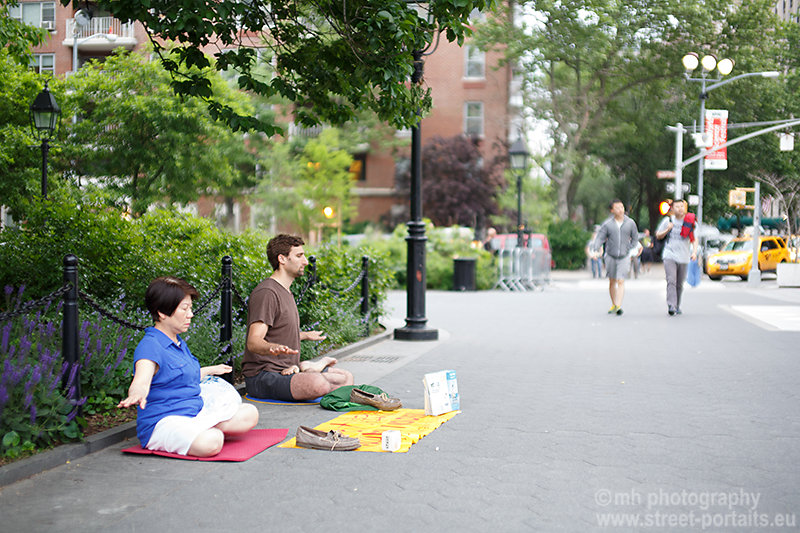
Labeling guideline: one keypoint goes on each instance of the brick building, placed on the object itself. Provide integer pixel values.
(471, 96)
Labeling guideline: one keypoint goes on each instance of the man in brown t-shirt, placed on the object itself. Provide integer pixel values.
(271, 364)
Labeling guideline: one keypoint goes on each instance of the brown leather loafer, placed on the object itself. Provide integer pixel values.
(319, 440)
(381, 401)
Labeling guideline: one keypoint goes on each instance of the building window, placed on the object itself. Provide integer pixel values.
(473, 119)
(43, 63)
(474, 62)
(358, 168)
(40, 14)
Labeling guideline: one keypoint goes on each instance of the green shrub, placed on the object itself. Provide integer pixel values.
(568, 242)
(117, 259)
(443, 246)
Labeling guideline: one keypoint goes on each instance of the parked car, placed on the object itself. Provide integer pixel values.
(737, 257)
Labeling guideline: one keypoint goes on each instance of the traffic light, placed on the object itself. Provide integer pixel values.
(663, 207)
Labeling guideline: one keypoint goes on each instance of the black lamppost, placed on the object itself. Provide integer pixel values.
(416, 323)
(518, 156)
(45, 115)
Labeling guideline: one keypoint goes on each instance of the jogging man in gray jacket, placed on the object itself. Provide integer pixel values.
(621, 238)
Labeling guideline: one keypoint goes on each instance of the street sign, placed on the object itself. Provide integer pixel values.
(670, 187)
(665, 174)
(694, 199)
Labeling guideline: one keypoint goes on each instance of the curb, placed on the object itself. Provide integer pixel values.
(65, 453)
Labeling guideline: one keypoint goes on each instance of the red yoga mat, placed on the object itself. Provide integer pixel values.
(239, 448)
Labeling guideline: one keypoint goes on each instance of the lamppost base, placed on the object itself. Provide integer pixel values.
(416, 334)
(754, 278)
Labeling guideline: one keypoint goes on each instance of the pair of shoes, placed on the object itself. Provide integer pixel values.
(319, 440)
(619, 311)
(671, 311)
(613, 310)
(381, 401)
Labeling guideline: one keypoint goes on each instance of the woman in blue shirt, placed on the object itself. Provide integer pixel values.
(182, 408)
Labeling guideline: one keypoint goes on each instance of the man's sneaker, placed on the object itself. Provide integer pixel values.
(613, 310)
(678, 311)
(671, 311)
(619, 311)
(381, 401)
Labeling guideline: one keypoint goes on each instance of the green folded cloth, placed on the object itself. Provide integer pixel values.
(339, 400)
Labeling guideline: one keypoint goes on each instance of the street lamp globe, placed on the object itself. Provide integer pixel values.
(45, 114)
(518, 155)
(709, 62)
(690, 61)
(725, 66)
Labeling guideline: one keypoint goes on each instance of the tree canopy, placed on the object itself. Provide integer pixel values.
(331, 58)
(585, 63)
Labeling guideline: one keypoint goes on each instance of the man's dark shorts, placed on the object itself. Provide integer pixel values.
(270, 385)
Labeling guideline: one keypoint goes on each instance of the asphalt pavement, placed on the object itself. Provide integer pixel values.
(572, 420)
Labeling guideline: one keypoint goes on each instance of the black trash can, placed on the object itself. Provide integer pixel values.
(464, 274)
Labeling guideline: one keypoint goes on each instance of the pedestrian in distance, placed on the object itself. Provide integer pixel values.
(621, 239)
(271, 363)
(680, 247)
(595, 257)
(182, 408)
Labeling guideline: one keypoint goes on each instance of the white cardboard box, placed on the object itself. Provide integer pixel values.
(441, 392)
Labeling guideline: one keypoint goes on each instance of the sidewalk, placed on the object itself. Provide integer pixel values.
(570, 418)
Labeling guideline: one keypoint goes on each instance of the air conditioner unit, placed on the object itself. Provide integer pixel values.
(49, 25)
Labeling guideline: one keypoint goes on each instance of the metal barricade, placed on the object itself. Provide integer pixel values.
(522, 269)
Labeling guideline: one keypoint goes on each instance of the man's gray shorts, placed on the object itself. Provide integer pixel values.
(617, 268)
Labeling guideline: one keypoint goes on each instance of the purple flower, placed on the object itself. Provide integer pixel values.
(72, 414)
(5, 337)
(3, 395)
(9, 289)
(33, 414)
(72, 373)
(28, 399)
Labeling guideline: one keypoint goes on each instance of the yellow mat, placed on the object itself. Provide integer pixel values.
(413, 424)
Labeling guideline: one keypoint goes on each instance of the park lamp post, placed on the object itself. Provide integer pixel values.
(723, 67)
(45, 115)
(518, 158)
(416, 328)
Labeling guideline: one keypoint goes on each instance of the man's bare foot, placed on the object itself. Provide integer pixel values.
(318, 365)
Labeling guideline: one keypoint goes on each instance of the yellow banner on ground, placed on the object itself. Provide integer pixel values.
(413, 424)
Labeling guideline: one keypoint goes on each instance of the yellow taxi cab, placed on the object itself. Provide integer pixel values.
(737, 257)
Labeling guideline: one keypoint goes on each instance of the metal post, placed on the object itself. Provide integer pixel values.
(678, 161)
(754, 276)
(45, 151)
(69, 331)
(365, 293)
(226, 314)
(415, 328)
(519, 210)
(701, 164)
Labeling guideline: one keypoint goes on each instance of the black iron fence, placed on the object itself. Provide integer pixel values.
(226, 290)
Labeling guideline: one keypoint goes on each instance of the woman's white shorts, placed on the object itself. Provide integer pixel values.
(175, 434)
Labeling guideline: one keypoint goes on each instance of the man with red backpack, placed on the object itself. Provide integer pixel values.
(680, 247)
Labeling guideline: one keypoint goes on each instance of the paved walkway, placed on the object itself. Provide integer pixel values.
(571, 419)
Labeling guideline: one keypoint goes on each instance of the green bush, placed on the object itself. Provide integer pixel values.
(117, 259)
(443, 246)
(568, 242)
